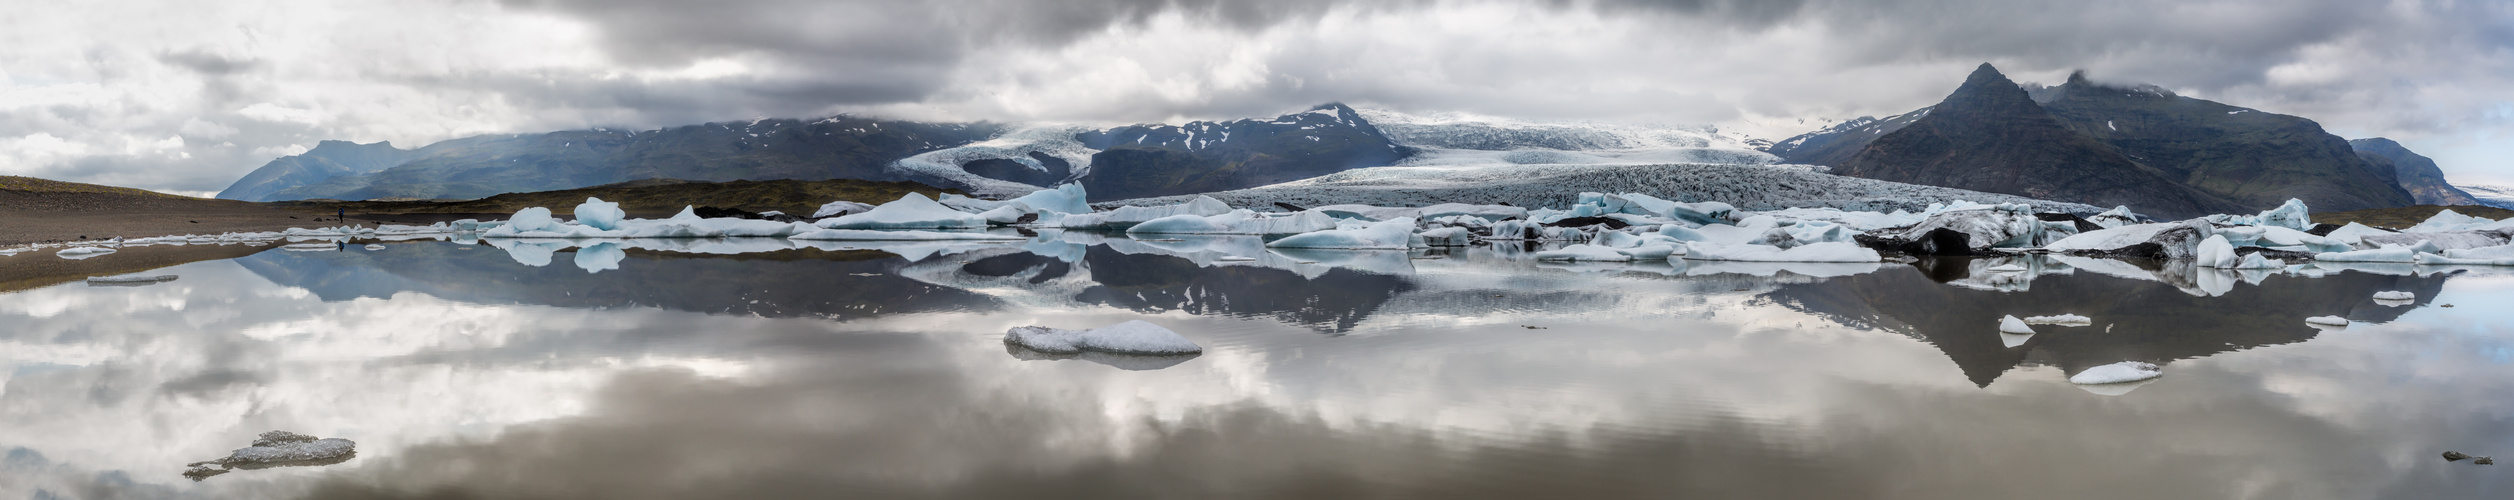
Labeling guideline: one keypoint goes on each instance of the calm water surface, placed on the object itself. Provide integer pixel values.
(660, 370)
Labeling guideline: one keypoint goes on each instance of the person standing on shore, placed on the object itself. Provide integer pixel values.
(344, 215)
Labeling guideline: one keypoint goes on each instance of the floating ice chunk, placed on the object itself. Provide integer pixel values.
(1812, 252)
(2117, 217)
(77, 253)
(1234, 258)
(2394, 295)
(2009, 324)
(2007, 268)
(600, 257)
(913, 211)
(2256, 261)
(2434, 260)
(1392, 234)
(278, 449)
(2494, 252)
(2126, 371)
(309, 247)
(374, 247)
(2400, 254)
(2451, 221)
(1653, 251)
(2353, 233)
(2059, 320)
(1129, 216)
(1066, 199)
(898, 235)
(2216, 252)
(2327, 320)
(129, 280)
(1132, 337)
(2172, 240)
(1585, 253)
(599, 214)
(2438, 241)
(2290, 215)
(1448, 237)
(838, 208)
(1236, 222)
(531, 219)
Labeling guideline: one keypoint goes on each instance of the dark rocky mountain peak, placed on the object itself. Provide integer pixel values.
(1990, 135)
(1203, 156)
(2414, 173)
(2253, 158)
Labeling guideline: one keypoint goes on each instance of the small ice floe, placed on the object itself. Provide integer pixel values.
(2455, 456)
(899, 235)
(129, 280)
(1132, 337)
(277, 449)
(2007, 268)
(1584, 253)
(2116, 373)
(309, 247)
(2394, 295)
(2327, 321)
(2011, 325)
(76, 253)
(1392, 234)
(1133, 345)
(374, 247)
(1234, 258)
(2060, 320)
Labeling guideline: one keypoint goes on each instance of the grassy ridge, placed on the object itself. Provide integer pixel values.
(648, 197)
(34, 185)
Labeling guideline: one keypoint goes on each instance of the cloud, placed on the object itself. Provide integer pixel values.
(238, 81)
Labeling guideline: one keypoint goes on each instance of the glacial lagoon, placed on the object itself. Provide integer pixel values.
(769, 368)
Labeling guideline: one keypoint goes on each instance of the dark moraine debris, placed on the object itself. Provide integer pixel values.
(2323, 229)
(1610, 223)
(1936, 241)
(2081, 222)
(721, 213)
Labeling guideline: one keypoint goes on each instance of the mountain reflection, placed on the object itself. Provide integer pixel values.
(2134, 319)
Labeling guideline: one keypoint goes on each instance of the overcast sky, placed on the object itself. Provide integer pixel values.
(186, 96)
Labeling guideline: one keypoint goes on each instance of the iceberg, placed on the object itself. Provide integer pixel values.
(2126, 371)
(1448, 237)
(2007, 268)
(373, 247)
(309, 247)
(2441, 241)
(2395, 254)
(1812, 252)
(2289, 215)
(2059, 320)
(2216, 252)
(77, 253)
(898, 235)
(2394, 295)
(2117, 217)
(2327, 320)
(1966, 230)
(600, 214)
(2435, 260)
(2168, 240)
(1236, 222)
(2009, 324)
(842, 207)
(913, 211)
(1131, 337)
(1392, 234)
(1129, 216)
(2451, 221)
(1585, 253)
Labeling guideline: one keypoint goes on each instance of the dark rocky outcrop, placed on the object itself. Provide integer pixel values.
(1989, 135)
(2412, 172)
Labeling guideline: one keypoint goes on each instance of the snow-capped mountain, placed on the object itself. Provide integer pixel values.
(1835, 144)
